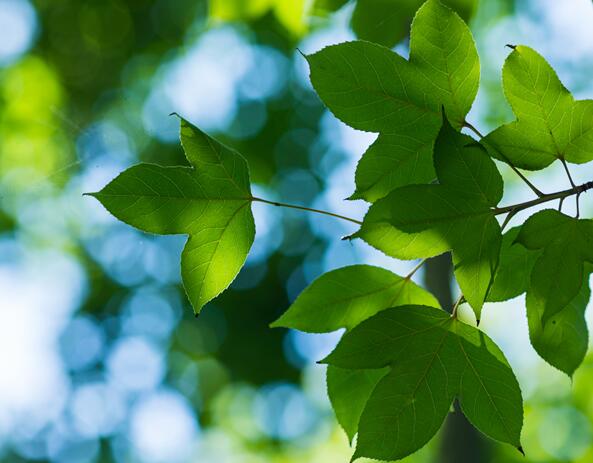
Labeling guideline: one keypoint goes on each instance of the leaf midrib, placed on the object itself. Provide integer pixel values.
(500, 417)
(168, 197)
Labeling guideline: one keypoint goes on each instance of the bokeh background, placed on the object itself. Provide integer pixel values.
(101, 359)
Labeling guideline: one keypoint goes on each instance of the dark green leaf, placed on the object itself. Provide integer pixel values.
(557, 275)
(514, 269)
(433, 358)
(563, 340)
(348, 392)
(209, 202)
(550, 124)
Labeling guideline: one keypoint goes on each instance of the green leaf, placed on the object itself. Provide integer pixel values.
(209, 202)
(563, 340)
(349, 391)
(557, 275)
(386, 22)
(428, 220)
(393, 160)
(433, 359)
(371, 88)
(344, 297)
(550, 124)
(514, 269)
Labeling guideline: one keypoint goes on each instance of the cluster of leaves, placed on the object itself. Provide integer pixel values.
(403, 360)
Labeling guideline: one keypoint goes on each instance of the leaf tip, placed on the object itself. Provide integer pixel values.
(511, 46)
(278, 323)
(324, 361)
(354, 196)
(302, 54)
(196, 314)
(174, 113)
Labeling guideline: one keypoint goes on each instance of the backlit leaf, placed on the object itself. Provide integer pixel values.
(371, 88)
(550, 124)
(433, 359)
(210, 202)
(344, 297)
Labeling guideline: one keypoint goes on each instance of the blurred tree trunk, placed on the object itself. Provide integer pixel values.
(461, 442)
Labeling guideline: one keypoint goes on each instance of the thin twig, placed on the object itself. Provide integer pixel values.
(572, 184)
(577, 190)
(537, 192)
(460, 300)
(563, 161)
(308, 209)
(473, 129)
(415, 269)
(507, 219)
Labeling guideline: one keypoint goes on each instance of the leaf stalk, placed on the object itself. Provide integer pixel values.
(307, 209)
(415, 269)
(533, 188)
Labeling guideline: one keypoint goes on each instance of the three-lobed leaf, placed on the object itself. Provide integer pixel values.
(433, 358)
(343, 298)
(209, 201)
(550, 124)
(427, 220)
(371, 88)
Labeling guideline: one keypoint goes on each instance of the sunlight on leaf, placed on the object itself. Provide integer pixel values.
(210, 202)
